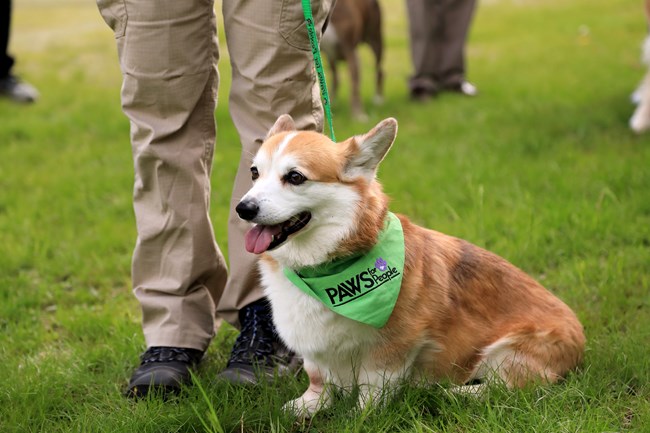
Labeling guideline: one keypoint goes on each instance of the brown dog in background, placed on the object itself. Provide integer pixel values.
(353, 22)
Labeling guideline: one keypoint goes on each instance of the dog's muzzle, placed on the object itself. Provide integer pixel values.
(265, 237)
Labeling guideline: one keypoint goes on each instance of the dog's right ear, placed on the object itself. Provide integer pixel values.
(369, 149)
(284, 123)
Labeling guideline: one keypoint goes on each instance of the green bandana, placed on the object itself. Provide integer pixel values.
(362, 287)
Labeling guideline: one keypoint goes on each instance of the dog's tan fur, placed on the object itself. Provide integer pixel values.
(463, 313)
(466, 298)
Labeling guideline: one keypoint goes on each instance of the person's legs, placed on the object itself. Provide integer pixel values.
(6, 61)
(272, 74)
(457, 17)
(424, 17)
(168, 53)
(10, 86)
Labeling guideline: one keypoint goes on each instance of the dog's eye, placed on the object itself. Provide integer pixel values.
(295, 177)
(254, 173)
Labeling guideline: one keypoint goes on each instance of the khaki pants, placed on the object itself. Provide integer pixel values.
(168, 53)
(438, 31)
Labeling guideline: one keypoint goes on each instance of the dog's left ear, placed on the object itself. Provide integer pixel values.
(284, 123)
(371, 148)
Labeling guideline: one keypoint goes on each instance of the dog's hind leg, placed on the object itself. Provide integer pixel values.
(530, 355)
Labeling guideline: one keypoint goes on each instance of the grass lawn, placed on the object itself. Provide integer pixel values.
(540, 168)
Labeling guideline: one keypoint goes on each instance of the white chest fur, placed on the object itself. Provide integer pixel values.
(312, 330)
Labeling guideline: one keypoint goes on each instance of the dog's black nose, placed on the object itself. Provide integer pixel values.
(247, 209)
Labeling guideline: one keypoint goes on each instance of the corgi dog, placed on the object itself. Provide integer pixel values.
(457, 312)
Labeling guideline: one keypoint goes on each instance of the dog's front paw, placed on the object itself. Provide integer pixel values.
(302, 408)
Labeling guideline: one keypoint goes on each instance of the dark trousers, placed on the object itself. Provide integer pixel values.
(6, 61)
(438, 31)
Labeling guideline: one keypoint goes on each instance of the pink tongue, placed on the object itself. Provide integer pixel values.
(259, 238)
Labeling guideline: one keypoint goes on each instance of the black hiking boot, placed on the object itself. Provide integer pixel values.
(163, 370)
(258, 353)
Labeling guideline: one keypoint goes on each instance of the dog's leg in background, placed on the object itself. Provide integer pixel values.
(374, 38)
(330, 47)
(640, 121)
(352, 60)
(335, 79)
(317, 396)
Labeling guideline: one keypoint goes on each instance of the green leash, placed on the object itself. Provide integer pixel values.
(313, 40)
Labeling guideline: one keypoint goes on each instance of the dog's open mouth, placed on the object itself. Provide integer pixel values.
(264, 238)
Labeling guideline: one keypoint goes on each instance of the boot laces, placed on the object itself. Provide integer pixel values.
(257, 340)
(171, 354)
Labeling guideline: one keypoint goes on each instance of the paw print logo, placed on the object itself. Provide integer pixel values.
(381, 264)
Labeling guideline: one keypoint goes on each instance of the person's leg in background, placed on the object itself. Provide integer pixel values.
(457, 18)
(10, 86)
(272, 74)
(6, 61)
(424, 19)
(168, 53)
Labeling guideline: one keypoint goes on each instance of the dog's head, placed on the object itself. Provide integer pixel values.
(308, 191)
